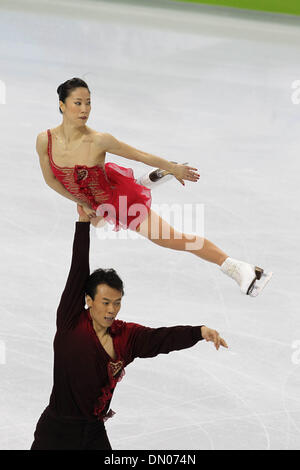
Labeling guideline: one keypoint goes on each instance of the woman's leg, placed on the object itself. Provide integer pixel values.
(160, 232)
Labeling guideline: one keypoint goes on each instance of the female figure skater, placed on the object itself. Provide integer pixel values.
(72, 159)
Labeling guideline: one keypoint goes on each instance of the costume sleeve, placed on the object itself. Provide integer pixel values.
(143, 341)
(72, 301)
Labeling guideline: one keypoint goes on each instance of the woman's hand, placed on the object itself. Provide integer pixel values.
(184, 172)
(88, 210)
(212, 335)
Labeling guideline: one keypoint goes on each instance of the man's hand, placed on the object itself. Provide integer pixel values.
(82, 215)
(212, 335)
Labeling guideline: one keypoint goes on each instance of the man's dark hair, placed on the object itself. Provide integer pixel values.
(64, 89)
(103, 276)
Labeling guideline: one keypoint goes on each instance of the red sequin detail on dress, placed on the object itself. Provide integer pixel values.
(98, 186)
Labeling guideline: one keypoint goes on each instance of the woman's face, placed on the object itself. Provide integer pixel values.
(77, 106)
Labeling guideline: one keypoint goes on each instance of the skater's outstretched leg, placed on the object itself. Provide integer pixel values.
(162, 233)
(250, 278)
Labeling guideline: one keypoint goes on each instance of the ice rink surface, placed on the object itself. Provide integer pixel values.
(186, 84)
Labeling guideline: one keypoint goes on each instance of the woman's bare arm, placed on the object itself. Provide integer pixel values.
(115, 146)
(49, 177)
(112, 145)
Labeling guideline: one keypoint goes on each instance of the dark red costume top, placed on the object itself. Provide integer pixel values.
(112, 189)
(85, 375)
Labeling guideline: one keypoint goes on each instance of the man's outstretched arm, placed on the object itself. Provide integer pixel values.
(72, 301)
(149, 342)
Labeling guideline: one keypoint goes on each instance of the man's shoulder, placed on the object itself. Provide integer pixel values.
(123, 327)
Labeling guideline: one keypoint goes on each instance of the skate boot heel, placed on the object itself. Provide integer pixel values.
(258, 272)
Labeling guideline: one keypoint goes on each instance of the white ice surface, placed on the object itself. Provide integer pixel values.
(187, 85)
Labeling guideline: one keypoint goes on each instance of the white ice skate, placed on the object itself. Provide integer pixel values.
(251, 279)
(156, 177)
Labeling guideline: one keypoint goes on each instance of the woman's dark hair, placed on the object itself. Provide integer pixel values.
(64, 89)
(103, 276)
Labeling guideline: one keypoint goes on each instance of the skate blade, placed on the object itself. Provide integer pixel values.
(260, 284)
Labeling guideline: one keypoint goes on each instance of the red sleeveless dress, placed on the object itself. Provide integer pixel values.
(111, 190)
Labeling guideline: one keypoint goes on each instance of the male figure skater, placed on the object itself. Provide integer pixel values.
(91, 350)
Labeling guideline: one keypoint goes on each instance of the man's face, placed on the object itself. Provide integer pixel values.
(105, 306)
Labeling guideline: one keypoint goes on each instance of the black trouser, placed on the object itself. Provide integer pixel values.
(64, 433)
